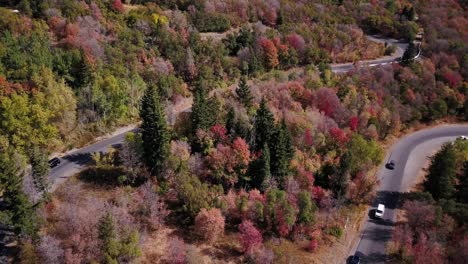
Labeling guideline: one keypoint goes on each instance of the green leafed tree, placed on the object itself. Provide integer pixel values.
(154, 132)
(114, 248)
(307, 208)
(361, 154)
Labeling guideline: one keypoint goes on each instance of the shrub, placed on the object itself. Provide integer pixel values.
(176, 251)
(209, 224)
(313, 244)
(335, 231)
(249, 237)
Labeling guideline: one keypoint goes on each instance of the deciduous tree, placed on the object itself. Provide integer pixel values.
(209, 224)
(249, 237)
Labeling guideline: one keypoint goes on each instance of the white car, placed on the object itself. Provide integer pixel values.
(462, 137)
(379, 212)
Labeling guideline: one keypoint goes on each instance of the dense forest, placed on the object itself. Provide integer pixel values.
(246, 136)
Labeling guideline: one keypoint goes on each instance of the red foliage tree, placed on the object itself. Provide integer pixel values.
(118, 6)
(319, 194)
(242, 152)
(338, 135)
(308, 140)
(270, 53)
(326, 100)
(209, 224)
(421, 216)
(353, 123)
(452, 78)
(427, 252)
(313, 245)
(219, 133)
(296, 41)
(249, 237)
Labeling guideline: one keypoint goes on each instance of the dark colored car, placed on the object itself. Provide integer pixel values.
(390, 165)
(54, 162)
(354, 260)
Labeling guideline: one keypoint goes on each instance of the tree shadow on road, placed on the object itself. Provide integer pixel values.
(391, 200)
(375, 258)
(79, 158)
(378, 234)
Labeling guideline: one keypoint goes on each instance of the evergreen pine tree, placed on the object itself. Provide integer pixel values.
(259, 171)
(463, 187)
(264, 125)
(410, 53)
(109, 244)
(282, 152)
(201, 117)
(442, 173)
(411, 14)
(264, 172)
(18, 211)
(231, 121)
(154, 132)
(40, 168)
(339, 180)
(243, 92)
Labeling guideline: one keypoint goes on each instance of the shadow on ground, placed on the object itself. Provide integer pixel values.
(79, 158)
(391, 200)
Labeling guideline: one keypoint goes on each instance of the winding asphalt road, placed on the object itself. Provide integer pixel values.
(410, 154)
(74, 161)
(394, 58)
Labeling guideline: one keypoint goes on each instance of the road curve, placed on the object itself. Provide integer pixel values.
(394, 58)
(410, 154)
(73, 162)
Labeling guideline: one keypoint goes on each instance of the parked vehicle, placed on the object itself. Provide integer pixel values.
(379, 212)
(54, 162)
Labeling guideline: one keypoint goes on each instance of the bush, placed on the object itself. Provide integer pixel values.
(209, 224)
(312, 245)
(335, 231)
(249, 237)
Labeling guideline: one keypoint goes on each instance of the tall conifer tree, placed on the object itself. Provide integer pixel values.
(243, 92)
(154, 131)
(282, 152)
(264, 125)
(440, 181)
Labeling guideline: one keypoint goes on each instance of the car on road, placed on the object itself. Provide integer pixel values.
(379, 212)
(462, 137)
(390, 165)
(354, 260)
(54, 162)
